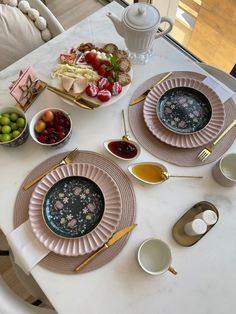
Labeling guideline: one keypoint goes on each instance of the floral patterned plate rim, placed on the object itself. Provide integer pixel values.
(100, 231)
(73, 207)
(183, 140)
(184, 110)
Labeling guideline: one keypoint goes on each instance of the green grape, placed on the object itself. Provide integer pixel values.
(13, 126)
(15, 134)
(20, 122)
(5, 120)
(6, 115)
(6, 137)
(6, 129)
(14, 116)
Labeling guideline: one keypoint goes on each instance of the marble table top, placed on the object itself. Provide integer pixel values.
(206, 277)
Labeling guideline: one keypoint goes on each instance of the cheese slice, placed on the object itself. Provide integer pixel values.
(67, 82)
(79, 85)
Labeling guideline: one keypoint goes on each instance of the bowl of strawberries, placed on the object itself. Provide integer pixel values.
(51, 127)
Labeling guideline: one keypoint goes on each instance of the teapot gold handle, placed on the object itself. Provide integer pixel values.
(169, 28)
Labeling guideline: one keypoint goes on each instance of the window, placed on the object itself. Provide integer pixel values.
(206, 28)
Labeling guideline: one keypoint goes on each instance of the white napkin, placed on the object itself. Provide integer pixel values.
(26, 248)
(221, 90)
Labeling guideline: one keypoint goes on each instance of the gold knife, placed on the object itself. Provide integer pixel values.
(78, 100)
(116, 236)
(143, 96)
(67, 96)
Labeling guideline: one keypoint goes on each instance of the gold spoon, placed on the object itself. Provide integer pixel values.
(166, 176)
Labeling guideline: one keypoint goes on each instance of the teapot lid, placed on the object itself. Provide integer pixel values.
(141, 16)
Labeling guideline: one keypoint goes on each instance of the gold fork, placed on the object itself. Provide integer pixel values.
(206, 152)
(66, 160)
(143, 96)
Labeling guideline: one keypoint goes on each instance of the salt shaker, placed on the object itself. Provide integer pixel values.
(195, 227)
(208, 216)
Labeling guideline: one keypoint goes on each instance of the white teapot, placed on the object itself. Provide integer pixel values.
(139, 27)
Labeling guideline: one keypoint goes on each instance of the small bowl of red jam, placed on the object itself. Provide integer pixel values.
(123, 149)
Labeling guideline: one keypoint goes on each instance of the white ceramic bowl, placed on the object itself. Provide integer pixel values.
(38, 116)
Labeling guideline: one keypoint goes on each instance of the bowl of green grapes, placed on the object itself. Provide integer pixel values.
(14, 129)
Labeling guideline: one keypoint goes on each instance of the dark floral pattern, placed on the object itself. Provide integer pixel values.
(184, 110)
(73, 207)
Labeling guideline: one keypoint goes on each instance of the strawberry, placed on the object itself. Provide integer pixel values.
(96, 63)
(110, 74)
(91, 90)
(115, 88)
(103, 83)
(101, 71)
(90, 56)
(106, 62)
(104, 95)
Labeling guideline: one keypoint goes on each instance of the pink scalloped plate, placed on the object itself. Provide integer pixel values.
(96, 237)
(196, 139)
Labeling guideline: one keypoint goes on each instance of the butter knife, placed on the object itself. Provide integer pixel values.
(116, 236)
(78, 100)
(143, 96)
(68, 97)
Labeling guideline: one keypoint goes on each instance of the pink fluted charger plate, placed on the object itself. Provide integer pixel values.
(191, 140)
(95, 238)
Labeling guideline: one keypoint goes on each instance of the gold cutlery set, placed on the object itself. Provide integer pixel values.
(79, 101)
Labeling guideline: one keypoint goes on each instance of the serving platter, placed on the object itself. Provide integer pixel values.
(183, 140)
(58, 84)
(85, 226)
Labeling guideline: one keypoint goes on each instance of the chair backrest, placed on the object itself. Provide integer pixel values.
(20, 34)
(10, 303)
(53, 24)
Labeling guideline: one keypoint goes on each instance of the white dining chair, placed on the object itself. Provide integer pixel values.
(53, 24)
(26, 280)
(24, 27)
(10, 303)
(29, 283)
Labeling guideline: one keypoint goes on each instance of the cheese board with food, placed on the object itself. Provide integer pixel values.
(99, 72)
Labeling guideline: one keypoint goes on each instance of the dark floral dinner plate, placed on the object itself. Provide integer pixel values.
(75, 209)
(184, 110)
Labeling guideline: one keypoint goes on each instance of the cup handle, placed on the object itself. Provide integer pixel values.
(172, 270)
(167, 20)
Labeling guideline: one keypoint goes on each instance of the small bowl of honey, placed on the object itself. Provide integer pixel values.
(153, 173)
(149, 172)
